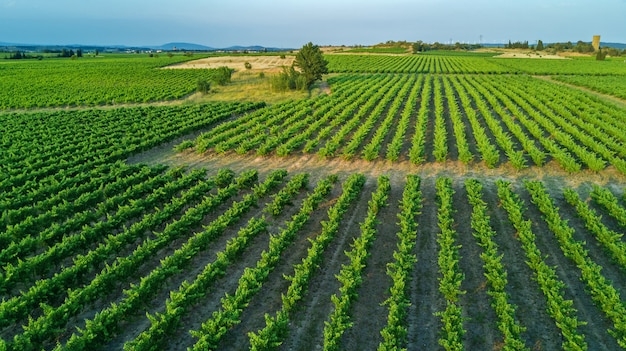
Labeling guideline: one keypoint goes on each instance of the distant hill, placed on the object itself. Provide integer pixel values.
(183, 46)
(179, 46)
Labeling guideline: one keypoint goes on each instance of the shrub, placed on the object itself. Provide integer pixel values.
(222, 75)
(289, 79)
(203, 86)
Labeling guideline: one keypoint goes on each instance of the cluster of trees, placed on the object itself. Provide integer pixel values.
(420, 46)
(580, 46)
(311, 66)
(517, 45)
(18, 55)
(71, 53)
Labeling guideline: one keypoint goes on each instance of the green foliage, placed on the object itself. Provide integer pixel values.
(311, 63)
(288, 79)
(247, 65)
(494, 270)
(221, 75)
(276, 328)
(187, 144)
(203, 86)
(559, 308)
(91, 81)
(539, 45)
(420, 46)
(395, 333)
(438, 62)
(380, 50)
(604, 294)
(214, 329)
(613, 85)
(350, 275)
(451, 276)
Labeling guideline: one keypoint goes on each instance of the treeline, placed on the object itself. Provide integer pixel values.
(420, 46)
(19, 55)
(580, 47)
(70, 53)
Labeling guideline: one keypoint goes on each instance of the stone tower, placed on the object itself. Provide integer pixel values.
(596, 42)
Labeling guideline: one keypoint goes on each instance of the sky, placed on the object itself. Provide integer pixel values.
(293, 23)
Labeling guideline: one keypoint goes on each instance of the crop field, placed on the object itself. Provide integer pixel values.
(425, 202)
(93, 81)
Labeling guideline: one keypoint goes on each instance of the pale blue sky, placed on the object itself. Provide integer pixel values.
(283, 23)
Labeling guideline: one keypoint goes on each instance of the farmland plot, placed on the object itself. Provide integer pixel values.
(97, 252)
(190, 257)
(470, 118)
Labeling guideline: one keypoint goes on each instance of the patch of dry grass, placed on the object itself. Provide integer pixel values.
(250, 86)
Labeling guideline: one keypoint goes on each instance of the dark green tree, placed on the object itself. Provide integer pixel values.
(18, 55)
(539, 45)
(311, 63)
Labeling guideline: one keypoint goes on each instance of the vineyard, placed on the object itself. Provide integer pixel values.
(493, 120)
(105, 248)
(95, 81)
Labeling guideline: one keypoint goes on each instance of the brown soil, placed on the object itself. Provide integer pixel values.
(531, 55)
(317, 165)
(258, 63)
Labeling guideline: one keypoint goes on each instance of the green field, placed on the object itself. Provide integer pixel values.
(94, 81)
(412, 202)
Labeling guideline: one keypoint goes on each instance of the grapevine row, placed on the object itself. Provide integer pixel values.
(276, 328)
(559, 308)
(451, 276)
(395, 333)
(494, 270)
(350, 275)
(252, 279)
(601, 289)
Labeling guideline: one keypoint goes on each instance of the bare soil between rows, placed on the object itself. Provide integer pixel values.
(319, 166)
(306, 329)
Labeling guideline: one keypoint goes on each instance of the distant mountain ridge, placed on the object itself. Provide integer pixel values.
(183, 46)
(179, 46)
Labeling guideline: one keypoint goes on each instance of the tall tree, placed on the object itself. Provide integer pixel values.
(311, 62)
(539, 45)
